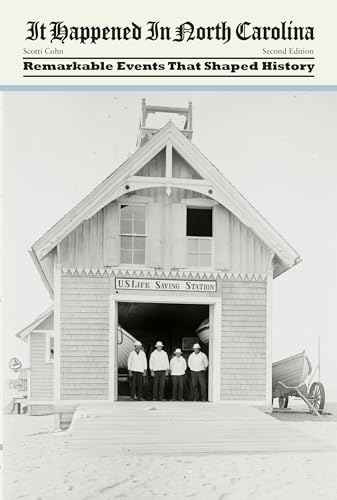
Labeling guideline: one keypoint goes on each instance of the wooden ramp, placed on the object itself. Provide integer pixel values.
(183, 428)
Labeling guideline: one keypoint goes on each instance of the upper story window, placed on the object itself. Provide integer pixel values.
(132, 234)
(199, 231)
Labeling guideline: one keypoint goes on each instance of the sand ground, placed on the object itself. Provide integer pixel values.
(39, 466)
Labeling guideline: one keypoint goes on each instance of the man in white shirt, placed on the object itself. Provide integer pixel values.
(198, 363)
(178, 368)
(137, 366)
(159, 366)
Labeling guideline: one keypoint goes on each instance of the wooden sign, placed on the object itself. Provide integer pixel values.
(165, 285)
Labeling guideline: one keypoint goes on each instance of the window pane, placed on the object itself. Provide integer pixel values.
(139, 227)
(139, 243)
(139, 257)
(126, 227)
(126, 211)
(193, 260)
(205, 260)
(199, 222)
(126, 256)
(126, 242)
(205, 246)
(192, 245)
(139, 212)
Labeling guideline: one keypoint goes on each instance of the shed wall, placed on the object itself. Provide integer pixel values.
(41, 374)
(84, 337)
(243, 340)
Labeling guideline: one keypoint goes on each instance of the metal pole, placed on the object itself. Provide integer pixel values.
(319, 358)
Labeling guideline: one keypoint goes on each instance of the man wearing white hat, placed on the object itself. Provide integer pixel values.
(159, 366)
(137, 366)
(178, 368)
(198, 363)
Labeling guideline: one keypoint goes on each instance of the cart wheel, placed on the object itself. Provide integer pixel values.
(317, 395)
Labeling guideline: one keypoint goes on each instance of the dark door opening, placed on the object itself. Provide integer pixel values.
(173, 324)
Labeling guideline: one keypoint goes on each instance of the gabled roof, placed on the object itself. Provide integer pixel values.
(23, 334)
(221, 191)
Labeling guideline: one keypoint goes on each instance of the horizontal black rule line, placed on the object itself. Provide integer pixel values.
(176, 58)
(168, 76)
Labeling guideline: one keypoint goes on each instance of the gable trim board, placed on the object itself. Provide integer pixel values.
(222, 191)
(25, 332)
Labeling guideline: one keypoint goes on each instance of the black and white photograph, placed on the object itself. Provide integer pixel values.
(170, 289)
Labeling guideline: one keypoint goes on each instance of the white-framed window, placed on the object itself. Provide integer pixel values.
(132, 234)
(50, 347)
(199, 232)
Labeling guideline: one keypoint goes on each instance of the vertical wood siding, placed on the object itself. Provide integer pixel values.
(243, 340)
(95, 243)
(41, 373)
(84, 337)
(181, 169)
(155, 167)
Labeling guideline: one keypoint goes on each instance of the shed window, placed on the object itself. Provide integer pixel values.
(50, 348)
(132, 234)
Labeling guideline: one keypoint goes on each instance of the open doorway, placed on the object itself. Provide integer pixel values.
(173, 324)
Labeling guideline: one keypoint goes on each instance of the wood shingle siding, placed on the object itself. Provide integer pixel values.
(243, 340)
(84, 337)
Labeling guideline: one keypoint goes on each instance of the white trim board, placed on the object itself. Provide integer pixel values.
(215, 341)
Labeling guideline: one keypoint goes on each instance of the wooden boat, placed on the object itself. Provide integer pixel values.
(203, 331)
(125, 342)
(291, 371)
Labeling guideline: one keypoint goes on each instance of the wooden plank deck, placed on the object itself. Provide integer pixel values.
(183, 428)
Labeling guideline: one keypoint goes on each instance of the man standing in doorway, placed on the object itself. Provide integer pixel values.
(137, 366)
(159, 366)
(198, 363)
(178, 369)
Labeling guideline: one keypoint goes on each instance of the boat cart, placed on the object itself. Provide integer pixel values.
(289, 380)
(314, 397)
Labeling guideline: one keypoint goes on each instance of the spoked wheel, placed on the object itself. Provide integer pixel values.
(283, 401)
(317, 395)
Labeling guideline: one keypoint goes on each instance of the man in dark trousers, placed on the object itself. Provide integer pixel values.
(198, 363)
(137, 366)
(178, 368)
(159, 366)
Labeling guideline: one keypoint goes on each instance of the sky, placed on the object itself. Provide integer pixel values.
(279, 149)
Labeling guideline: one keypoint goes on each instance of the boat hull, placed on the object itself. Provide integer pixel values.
(291, 371)
(203, 331)
(125, 345)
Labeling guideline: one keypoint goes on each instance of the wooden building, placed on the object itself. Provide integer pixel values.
(163, 243)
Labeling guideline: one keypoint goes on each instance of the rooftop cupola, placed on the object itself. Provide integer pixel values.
(182, 117)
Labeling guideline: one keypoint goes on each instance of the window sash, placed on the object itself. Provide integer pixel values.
(198, 255)
(132, 234)
(134, 223)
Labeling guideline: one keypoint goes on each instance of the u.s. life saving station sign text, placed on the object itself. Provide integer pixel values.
(165, 285)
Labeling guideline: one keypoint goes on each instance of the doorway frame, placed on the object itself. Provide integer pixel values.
(215, 306)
